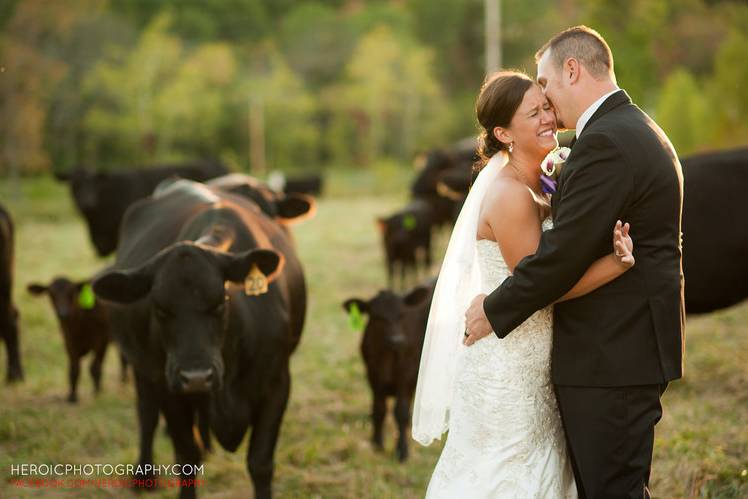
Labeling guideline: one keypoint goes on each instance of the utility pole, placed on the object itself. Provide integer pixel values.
(493, 35)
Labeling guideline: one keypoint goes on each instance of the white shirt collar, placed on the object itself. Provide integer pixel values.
(587, 114)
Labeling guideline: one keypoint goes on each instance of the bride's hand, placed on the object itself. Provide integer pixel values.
(623, 245)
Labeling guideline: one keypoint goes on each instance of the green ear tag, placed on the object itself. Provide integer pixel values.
(355, 319)
(409, 222)
(86, 298)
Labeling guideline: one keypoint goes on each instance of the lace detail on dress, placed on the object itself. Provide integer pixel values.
(505, 437)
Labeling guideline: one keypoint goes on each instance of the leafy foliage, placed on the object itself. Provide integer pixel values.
(113, 84)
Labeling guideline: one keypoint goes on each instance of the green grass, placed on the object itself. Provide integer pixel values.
(323, 451)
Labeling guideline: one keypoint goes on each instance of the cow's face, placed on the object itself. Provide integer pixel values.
(398, 230)
(386, 312)
(85, 186)
(93, 193)
(63, 294)
(189, 305)
(436, 161)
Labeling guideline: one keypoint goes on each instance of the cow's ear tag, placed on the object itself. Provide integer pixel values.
(86, 297)
(409, 222)
(256, 282)
(355, 318)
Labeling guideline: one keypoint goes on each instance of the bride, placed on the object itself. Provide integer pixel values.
(496, 398)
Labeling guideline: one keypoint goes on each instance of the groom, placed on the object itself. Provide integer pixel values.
(616, 348)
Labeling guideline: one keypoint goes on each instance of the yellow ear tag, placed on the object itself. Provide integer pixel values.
(256, 282)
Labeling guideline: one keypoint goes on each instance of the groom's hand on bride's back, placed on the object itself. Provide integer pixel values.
(476, 322)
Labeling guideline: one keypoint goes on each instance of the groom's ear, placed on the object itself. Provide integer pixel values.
(572, 70)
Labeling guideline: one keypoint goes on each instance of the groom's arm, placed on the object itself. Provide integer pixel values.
(593, 196)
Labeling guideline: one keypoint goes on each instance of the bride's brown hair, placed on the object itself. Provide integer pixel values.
(500, 96)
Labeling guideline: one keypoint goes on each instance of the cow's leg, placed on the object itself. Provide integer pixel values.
(265, 427)
(74, 369)
(123, 368)
(402, 416)
(95, 367)
(403, 274)
(148, 400)
(15, 370)
(390, 273)
(378, 412)
(179, 414)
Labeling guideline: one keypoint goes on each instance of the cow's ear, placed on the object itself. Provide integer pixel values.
(36, 289)
(417, 296)
(237, 267)
(382, 224)
(363, 306)
(296, 207)
(123, 286)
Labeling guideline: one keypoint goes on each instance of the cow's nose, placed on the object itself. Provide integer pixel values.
(196, 380)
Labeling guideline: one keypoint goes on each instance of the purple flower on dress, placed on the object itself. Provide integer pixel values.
(548, 184)
(550, 169)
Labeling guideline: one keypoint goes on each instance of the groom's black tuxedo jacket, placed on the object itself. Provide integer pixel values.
(629, 331)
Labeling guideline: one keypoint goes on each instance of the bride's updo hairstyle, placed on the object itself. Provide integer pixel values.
(500, 96)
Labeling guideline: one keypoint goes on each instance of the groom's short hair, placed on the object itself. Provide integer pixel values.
(583, 44)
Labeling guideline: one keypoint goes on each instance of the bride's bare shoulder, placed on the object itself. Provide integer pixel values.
(507, 193)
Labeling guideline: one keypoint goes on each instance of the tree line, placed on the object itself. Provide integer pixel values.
(335, 83)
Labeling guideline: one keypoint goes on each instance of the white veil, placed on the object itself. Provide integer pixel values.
(459, 281)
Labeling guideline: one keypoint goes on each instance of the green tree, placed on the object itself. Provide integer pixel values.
(32, 66)
(316, 41)
(630, 29)
(190, 109)
(682, 112)
(122, 119)
(95, 32)
(288, 109)
(390, 97)
(728, 90)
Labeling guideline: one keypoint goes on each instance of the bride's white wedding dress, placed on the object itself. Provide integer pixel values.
(505, 435)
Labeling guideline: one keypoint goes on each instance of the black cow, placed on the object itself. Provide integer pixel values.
(304, 184)
(458, 158)
(8, 311)
(715, 236)
(284, 208)
(103, 197)
(298, 184)
(84, 327)
(454, 184)
(208, 304)
(406, 237)
(391, 348)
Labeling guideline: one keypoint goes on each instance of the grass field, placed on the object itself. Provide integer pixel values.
(323, 451)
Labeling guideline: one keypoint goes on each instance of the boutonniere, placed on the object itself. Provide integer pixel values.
(550, 168)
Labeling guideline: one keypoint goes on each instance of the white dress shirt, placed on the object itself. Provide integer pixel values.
(587, 114)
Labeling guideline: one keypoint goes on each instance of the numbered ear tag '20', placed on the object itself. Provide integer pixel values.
(256, 282)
